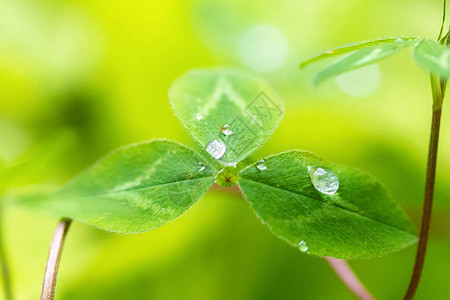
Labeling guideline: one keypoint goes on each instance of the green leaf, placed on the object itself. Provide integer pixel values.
(362, 58)
(433, 57)
(360, 220)
(353, 47)
(229, 108)
(134, 189)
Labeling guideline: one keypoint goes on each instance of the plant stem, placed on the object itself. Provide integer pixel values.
(51, 271)
(4, 265)
(345, 273)
(438, 89)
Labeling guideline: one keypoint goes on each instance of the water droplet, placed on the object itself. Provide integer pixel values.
(199, 117)
(399, 40)
(216, 148)
(202, 167)
(231, 164)
(302, 246)
(226, 129)
(261, 165)
(324, 180)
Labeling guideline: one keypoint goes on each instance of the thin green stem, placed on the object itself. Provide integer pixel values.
(4, 264)
(441, 31)
(438, 88)
(51, 271)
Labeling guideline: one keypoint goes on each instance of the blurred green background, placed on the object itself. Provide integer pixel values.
(79, 78)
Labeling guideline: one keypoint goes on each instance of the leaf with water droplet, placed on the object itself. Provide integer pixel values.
(358, 220)
(361, 58)
(238, 107)
(135, 188)
(433, 58)
(353, 47)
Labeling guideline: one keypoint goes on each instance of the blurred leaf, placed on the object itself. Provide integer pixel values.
(233, 111)
(135, 188)
(360, 220)
(362, 58)
(433, 57)
(353, 47)
(39, 163)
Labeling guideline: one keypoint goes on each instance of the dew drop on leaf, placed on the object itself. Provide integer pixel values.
(198, 116)
(226, 129)
(302, 246)
(202, 167)
(216, 148)
(231, 164)
(324, 180)
(261, 165)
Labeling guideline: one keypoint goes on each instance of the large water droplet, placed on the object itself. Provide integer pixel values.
(302, 246)
(226, 129)
(324, 180)
(216, 148)
(261, 165)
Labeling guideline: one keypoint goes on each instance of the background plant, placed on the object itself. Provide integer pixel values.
(434, 58)
(124, 100)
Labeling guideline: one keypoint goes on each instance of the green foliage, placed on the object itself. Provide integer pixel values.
(433, 57)
(231, 113)
(363, 57)
(359, 220)
(211, 101)
(133, 189)
(352, 47)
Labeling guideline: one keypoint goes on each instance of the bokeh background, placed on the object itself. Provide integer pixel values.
(79, 78)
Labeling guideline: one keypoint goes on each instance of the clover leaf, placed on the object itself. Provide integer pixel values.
(320, 207)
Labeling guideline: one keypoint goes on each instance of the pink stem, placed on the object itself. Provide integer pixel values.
(345, 273)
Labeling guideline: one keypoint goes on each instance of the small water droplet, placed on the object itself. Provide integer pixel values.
(202, 167)
(399, 40)
(230, 164)
(261, 165)
(324, 180)
(216, 148)
(302, 246)
(199, 117)
(226, 129)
